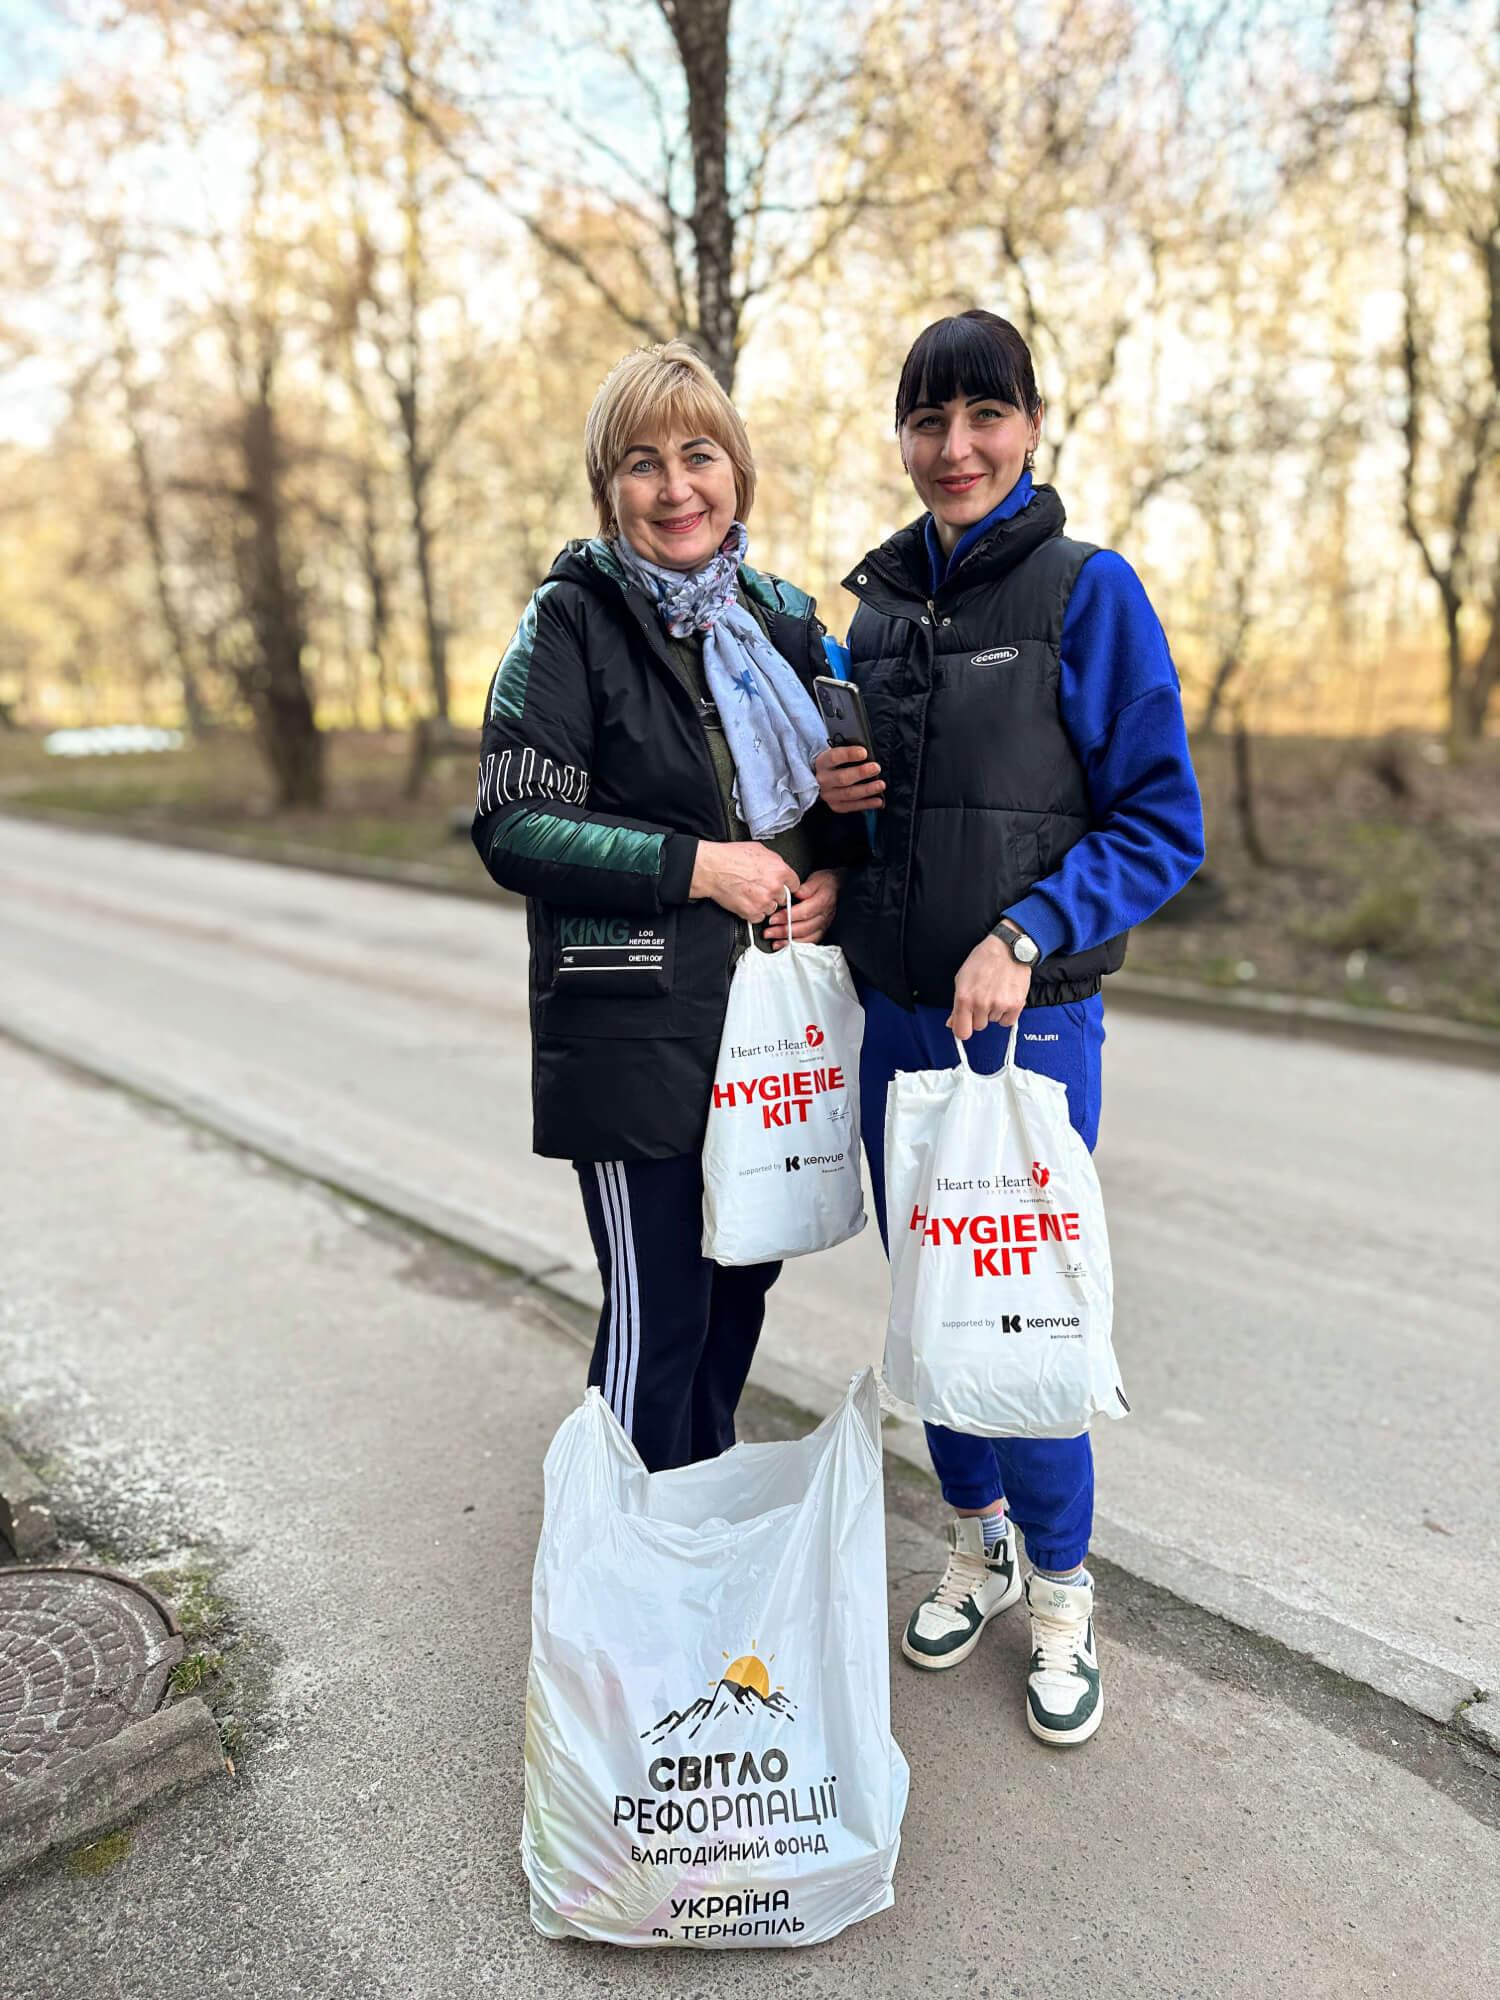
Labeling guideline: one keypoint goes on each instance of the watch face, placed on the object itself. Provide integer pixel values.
(1025, 951)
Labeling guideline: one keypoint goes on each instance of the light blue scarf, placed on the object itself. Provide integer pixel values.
(771, 722)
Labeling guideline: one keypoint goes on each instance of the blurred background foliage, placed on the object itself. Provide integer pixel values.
(302, 307)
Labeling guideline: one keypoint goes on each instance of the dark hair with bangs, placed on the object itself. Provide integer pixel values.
(971, 353)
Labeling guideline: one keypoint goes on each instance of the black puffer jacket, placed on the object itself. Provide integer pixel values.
(596, 784)
(984, 792)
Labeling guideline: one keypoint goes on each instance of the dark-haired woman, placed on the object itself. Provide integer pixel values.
(1030, 765)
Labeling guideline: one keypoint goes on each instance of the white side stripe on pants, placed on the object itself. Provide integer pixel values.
(624, 1292)
(633, 1286)
(606, 1204)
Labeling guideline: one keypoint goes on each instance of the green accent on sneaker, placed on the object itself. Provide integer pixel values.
(1001, 1589)
(1078, 1721)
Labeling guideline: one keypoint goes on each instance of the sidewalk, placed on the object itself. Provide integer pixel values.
(220, 1353)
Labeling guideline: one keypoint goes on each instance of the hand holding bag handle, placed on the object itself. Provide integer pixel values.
(750, 928)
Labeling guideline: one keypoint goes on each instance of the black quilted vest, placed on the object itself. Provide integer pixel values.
(984, 795)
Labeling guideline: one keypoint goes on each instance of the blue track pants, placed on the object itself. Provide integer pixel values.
(1047, 1483)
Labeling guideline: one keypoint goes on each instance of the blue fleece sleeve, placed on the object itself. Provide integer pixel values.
(1121, 704)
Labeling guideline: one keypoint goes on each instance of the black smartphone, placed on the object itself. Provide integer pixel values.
(842, 707)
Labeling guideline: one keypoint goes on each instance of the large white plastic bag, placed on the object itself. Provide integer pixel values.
(781, 1155)
(1001, 1285)
(709, 1758)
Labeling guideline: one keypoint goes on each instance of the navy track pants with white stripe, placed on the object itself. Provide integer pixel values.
(677, 1333)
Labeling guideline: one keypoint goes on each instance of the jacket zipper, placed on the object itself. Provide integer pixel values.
(911, 828)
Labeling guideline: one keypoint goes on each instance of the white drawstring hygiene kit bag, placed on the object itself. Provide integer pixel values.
(1001, 1287)
(781, 1155)
(709, 1758)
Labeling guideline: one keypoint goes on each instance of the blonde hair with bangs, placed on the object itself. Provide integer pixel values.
(649, 394)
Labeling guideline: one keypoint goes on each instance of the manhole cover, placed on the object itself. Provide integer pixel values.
(82, 1653)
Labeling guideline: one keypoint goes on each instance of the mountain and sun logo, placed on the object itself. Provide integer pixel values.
(743, 1690)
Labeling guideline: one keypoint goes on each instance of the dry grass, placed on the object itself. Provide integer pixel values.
(1383, 888)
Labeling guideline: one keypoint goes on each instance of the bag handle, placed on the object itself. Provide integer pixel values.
(1010, 1051)
(791, 943)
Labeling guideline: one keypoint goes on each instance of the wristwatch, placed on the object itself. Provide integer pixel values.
(1024, 950)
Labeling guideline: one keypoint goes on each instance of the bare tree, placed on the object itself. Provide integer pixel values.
(1450, 493)
(700, 32)
(180, 639)
(716, 212)
(271, 674)
(269, 657)
(388, 302)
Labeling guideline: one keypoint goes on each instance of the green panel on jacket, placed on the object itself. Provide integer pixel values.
(508, 696)
(580, 843)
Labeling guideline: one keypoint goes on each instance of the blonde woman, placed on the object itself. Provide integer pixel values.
(646, 783)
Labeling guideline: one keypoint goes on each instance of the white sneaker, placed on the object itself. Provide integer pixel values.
(946, 1625)
(1064, 1693)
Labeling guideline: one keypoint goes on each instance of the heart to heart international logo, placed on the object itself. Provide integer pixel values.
(814, 1034)
(1040, 1174)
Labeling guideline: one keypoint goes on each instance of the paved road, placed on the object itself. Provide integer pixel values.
(1304, 1241)
(348, 1423)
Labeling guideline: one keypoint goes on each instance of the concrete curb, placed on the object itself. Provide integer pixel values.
(1423, 1035)
(147, 1761)
(566, 1292)
(1479, 1720)
(25, 1518)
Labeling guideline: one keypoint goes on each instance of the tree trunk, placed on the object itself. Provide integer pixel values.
(375, 583)
(1218, 690)
(1486, 670)
(436, 632)
(275, 685)
(418, 457)
(1244, 794)
(700, 28)
(194, 707)
(1459, 736)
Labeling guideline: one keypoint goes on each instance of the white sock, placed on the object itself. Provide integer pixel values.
(1068, 1576)
(995, 1528)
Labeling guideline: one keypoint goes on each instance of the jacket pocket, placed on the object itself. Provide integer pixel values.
(612, 957)
(604, 975)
